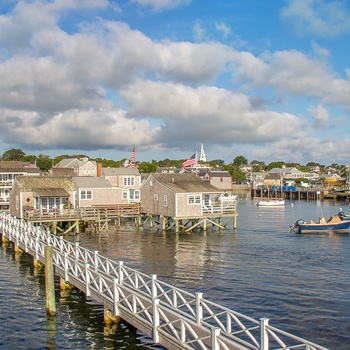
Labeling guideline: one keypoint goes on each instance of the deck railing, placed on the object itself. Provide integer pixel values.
(171, 316)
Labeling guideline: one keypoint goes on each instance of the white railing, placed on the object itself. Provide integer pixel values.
(171, 316)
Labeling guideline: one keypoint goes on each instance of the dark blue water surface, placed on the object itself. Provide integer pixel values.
(300, 282)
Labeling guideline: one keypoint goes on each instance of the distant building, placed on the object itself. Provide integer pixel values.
(81, 167)
(202, 156)
(9, 170)
(128, 180)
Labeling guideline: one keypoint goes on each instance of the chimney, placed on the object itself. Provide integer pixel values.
(99, 170)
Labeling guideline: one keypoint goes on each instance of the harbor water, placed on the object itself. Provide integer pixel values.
(300, 282)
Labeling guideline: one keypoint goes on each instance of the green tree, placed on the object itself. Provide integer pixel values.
(146, 167)
(13, 154)
(44, 164)
(278, 164)
(239, 160)
(235, 172)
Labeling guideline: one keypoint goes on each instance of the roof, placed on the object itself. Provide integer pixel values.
(185, 183)
(29, 183)
(219, 173)
(17, 167)
(120, 171)
(72, 162)
(63, 172)
(91, 182)
(50, 192)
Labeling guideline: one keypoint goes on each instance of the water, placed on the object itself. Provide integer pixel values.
(300, 282)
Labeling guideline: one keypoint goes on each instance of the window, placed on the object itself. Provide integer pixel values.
(129, 181)
(125, 195)
(194, 199)
(155, 197)
(165, 200)
(85, 194)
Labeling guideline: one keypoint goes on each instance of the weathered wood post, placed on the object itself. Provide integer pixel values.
(49, 282)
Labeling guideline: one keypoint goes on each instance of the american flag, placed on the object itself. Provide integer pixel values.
(132, 157)
(190, 161)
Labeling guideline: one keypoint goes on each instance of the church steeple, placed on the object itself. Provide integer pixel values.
(202, 155)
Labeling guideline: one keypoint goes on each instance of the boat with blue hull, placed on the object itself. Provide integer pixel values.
(334, 224)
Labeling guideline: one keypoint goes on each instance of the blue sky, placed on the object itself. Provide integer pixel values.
(269, 80)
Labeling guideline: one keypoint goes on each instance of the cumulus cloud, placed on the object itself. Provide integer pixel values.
(321, 17)
(320, 116)
(217, 115)
(107, 85)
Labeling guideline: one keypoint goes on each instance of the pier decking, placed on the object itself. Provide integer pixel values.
(170, 316)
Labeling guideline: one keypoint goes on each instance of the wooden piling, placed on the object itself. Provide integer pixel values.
(49, 282)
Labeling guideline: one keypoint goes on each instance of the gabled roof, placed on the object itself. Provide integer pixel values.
(184, 183)
(29, 183)
(91, 182)
(120, 171)
(72, 162)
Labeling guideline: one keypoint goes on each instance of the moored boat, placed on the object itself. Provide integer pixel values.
(334, 224)
(271, 202)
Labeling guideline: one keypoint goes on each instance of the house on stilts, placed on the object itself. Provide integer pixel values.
(186, 202)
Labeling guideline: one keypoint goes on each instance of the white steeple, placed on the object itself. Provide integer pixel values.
(202, 155)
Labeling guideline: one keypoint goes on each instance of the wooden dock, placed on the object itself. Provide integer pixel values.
(68, 220)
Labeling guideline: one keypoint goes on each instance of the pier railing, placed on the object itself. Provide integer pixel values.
(171, 316)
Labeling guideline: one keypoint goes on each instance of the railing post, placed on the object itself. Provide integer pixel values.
(199, 308)
(121, 274)
(95, 259)
(116, 296)
(264, 337)
(61, 244)
(65, 261)
(87, 280)
(76, 251)
(153, 286)
(215, 332)
(155, 321)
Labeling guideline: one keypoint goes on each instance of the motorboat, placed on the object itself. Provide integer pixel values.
(333, 224)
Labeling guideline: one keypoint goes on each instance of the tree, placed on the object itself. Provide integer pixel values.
(146, 167)
(13, 154)
(278, 164)
(235, 172)
(239, 160)
(44, 164)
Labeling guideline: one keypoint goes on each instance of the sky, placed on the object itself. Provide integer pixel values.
(269, 80)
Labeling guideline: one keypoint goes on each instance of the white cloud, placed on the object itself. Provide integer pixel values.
(209, 113)
(226, 31)
(159, 5)
(320, 116)
(321, 17)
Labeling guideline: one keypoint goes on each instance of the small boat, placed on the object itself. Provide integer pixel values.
(334, 224)
(271, 202)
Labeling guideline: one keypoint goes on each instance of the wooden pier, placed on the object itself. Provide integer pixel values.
(97, 217)
(172, 317)
(299, 194)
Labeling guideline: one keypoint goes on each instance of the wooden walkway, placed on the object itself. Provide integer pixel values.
(172, 317)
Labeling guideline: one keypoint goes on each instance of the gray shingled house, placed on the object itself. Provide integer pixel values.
(176, 195)
(95, 191)
(45, 193)
(127, 179)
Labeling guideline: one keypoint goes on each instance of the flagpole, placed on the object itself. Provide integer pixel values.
(134, 154)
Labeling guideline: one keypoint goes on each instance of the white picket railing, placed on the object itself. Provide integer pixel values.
(173, 317)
